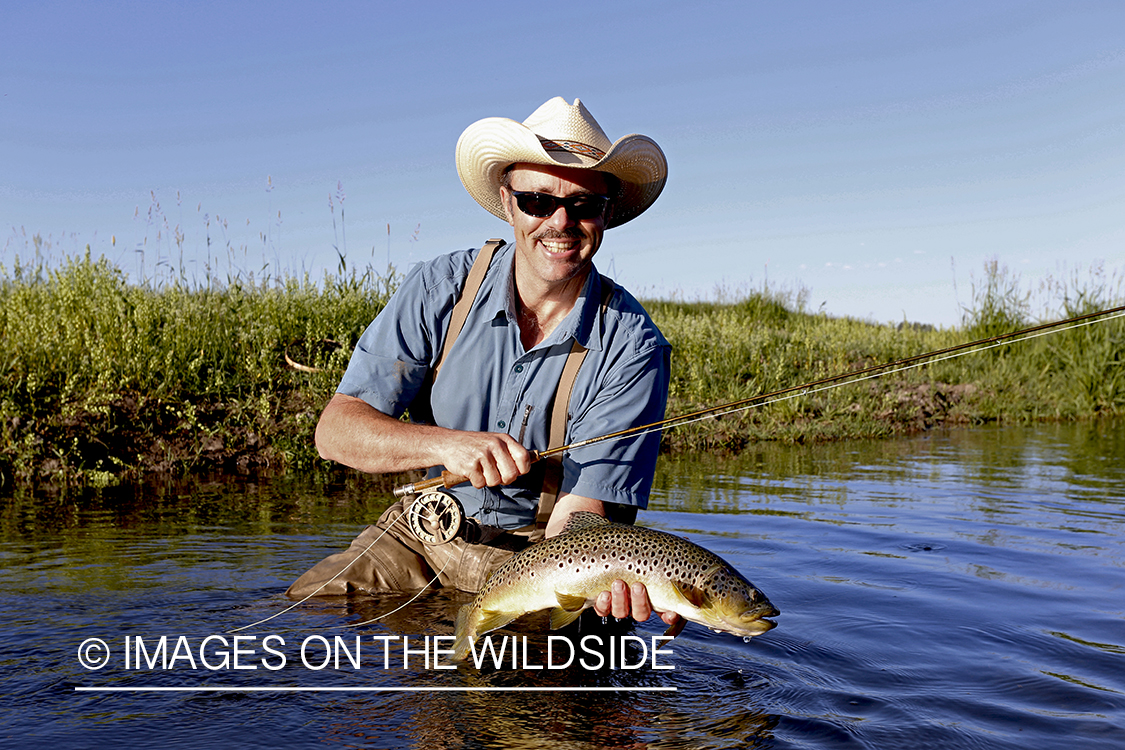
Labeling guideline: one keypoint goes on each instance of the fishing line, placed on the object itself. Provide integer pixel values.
(447, 479)
(340, 572)
(715, 414)
(407, 602)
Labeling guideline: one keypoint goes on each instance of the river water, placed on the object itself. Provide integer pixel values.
(960, 589)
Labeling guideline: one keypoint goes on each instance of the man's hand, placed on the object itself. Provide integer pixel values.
(486, 459)
(356, 434)
(623, 601)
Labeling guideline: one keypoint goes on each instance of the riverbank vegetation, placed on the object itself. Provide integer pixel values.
(765, 342)
(106, 378)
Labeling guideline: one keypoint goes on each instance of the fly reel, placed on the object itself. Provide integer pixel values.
(436, 517)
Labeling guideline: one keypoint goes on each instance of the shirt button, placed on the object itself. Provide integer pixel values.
(519, 368)
(501, 424)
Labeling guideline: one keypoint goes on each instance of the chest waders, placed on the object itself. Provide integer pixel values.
(389, 556)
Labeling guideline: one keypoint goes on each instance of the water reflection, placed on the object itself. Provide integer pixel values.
(960, 589)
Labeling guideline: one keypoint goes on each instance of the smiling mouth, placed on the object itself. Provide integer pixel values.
(558, 247)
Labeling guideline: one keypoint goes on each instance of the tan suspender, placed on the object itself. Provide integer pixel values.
(560, 411)
(468, 295)
(560, 415)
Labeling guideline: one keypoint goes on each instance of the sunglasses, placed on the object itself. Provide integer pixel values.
(578, 207)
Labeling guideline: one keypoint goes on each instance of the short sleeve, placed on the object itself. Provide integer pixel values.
(620, 470)
(391, 359)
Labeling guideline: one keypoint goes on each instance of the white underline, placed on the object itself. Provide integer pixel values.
(153, 689)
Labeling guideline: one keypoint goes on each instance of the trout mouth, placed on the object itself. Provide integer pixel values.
(758, 626)
(748, 623)
(753, 622)
(746, 629)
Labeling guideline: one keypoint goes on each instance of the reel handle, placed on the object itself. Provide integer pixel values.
(447, 479)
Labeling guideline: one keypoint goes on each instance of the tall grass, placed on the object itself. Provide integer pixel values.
(731, 352)
(1071, 374)
(764, 343)
(105, 378)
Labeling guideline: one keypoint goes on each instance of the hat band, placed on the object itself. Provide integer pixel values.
(573, 147)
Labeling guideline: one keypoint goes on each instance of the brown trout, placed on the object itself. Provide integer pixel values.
(567, 572)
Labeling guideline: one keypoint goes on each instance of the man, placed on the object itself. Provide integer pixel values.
(483, 391)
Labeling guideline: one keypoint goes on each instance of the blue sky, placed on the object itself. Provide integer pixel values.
(875, 154)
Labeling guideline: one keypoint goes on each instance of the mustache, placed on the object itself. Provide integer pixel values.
(550, 233)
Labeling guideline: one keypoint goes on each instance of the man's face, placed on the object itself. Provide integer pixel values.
(558, 248)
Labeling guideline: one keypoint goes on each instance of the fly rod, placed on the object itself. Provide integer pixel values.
(449, 479)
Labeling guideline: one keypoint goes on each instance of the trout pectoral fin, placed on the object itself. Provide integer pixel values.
(560, 617)
(690, 593)
(677, 628)
(492, 619)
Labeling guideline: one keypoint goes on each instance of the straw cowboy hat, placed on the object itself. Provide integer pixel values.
(566, 135)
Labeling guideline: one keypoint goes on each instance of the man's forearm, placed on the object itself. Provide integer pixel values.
(354, 433)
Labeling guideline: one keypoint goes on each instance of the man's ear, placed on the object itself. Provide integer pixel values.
(506, 202)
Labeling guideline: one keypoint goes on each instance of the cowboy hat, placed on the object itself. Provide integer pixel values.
(565, 135)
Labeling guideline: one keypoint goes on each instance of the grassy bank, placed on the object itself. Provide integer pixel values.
(104, 379)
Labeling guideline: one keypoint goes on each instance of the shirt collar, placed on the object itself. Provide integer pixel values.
(583, 323)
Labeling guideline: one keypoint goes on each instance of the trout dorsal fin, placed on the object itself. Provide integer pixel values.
(583, 519)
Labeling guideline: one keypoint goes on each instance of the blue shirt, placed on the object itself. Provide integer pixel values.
(489, 383)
